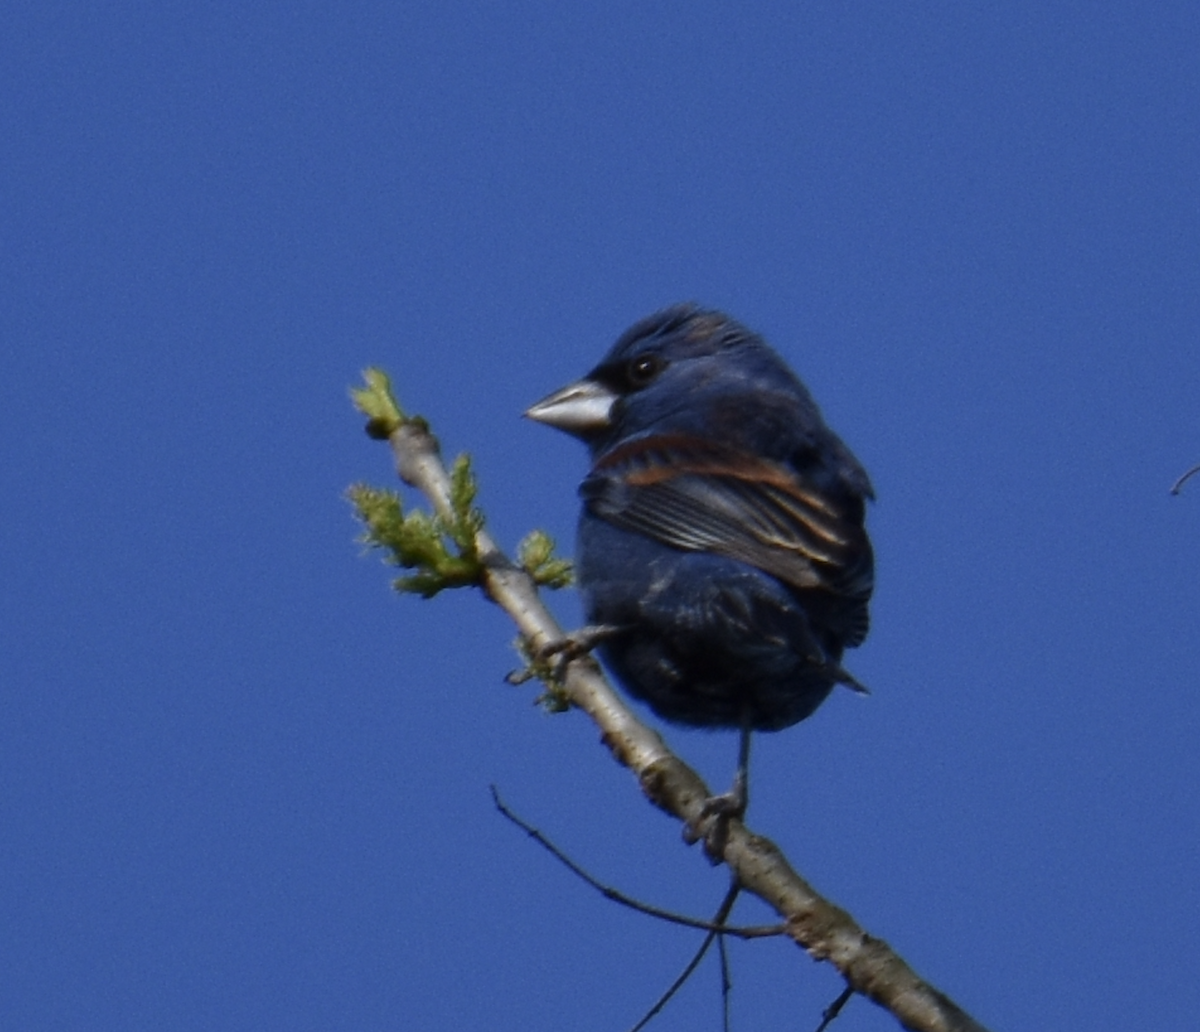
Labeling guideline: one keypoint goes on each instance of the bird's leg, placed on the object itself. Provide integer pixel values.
(713, 823)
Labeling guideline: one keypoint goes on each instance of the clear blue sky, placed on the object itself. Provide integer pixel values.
(243, 786)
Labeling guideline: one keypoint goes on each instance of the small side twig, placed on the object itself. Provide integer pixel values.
(716, 926)
(726, 984)
(716, 932)
(834, 1009)
(1178, 485)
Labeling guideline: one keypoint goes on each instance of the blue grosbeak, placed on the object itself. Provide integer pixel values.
(722, 557)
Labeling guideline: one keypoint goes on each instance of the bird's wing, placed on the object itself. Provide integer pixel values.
(704, 497)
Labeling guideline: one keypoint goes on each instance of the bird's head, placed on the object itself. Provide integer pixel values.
(682, 370)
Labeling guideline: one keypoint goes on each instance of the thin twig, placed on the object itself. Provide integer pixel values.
(617, 896)
(834, 1009)
(1178, 485)
(726, 983)
(716, 933)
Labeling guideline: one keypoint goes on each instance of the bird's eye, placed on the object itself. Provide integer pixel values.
(643, 369)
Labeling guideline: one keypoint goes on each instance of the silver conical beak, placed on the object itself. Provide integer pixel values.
(581, 408)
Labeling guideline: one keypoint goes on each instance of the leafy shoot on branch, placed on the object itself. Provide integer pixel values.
(421, 542)
(377, 402)
(443, 550)
(535, 553)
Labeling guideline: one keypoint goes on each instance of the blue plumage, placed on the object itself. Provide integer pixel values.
(721, 540)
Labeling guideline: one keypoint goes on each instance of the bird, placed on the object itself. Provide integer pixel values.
(722, 555)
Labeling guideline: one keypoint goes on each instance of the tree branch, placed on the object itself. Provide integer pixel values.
(826, 932)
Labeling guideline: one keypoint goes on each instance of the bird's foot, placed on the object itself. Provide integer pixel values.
(578, 643)
(712, 825)
(549, 661)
